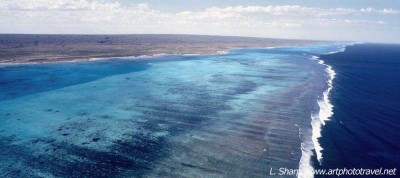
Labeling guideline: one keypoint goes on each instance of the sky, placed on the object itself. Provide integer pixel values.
(350, 20)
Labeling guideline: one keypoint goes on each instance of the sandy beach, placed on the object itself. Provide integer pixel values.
(55, 48)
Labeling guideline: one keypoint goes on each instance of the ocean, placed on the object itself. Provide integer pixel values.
(364, 130)
(246, 113)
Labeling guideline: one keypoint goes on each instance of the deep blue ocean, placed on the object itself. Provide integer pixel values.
(364, 131)
(242, 114)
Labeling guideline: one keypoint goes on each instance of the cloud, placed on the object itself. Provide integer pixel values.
(390, 11)
(287, 10)
(57, 5)
(275, 10)
(142, 6)
(91, 16)
(382, 11)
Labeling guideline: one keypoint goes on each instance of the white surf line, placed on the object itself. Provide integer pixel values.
(325, 112)
(154, 56)
(317, 122)
(142, 56)
(325, 106)
(223, 52)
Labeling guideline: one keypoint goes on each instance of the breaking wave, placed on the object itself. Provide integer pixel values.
(318, 120)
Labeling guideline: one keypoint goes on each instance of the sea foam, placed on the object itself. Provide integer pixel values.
(318, 120)
(325, 112)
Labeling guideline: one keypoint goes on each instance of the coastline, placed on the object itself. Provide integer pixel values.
(83, 59)
(100, 59)
(16, 49)
(223, 52)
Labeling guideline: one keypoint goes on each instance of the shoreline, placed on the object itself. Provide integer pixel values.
(16, 49)
(92, 59)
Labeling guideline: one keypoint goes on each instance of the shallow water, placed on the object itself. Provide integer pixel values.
(232, 115)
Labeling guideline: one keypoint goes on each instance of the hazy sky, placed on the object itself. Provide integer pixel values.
(355, 20)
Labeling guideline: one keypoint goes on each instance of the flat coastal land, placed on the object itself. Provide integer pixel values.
(25, 48)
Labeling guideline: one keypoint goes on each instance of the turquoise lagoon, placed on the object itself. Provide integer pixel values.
(234, 115)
